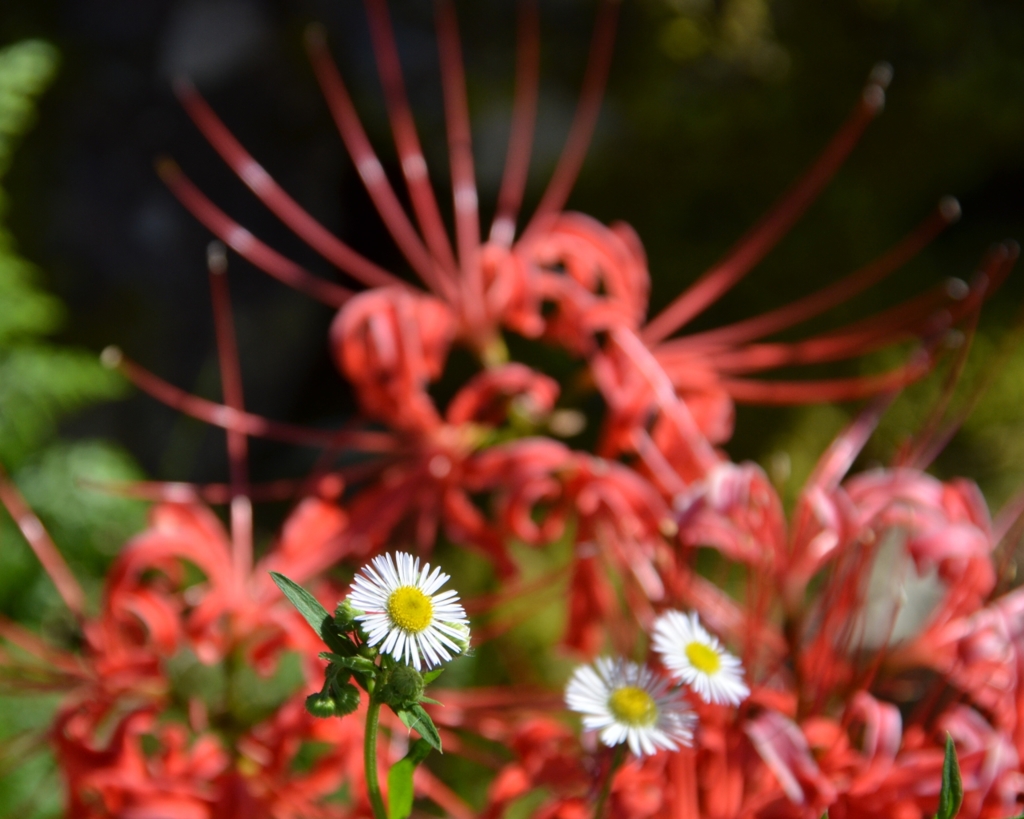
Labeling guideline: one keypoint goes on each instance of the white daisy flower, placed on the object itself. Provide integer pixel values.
(403, 615)
(630, 703)
(695, 657)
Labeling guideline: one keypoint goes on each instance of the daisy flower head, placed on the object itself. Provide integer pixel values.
(630, 703)
(401, 612)
(695, 657)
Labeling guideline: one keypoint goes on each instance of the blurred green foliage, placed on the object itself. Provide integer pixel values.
(738, 33)
(41, 382)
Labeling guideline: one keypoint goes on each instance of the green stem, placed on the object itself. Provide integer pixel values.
(617, 759)
(370, 759)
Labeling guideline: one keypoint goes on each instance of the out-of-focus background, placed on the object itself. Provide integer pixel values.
(713, 108)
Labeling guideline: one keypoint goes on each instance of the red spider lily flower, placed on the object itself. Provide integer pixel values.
(195, 775)
(121, 688)
(133, 737)
(820, 729)
(393, 341)
(226, 611)
(807, 629)
(121, 779)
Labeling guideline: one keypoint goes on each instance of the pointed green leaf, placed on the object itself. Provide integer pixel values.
(430, 676)
(400, 790)
(308, 606)
(951, 794)
(419, 720)
(316, 615)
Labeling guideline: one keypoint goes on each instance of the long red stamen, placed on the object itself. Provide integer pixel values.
(31, 643)
(45, 550)
(657, 464)
(918, 316)
(582, 128)
(231, 385)
(460, 159)
(524, 119)
(403, 127)
(843, 451)
(368, 166)
(273, 195)
(925, 446)
(244, 243)
(1009, 516)
(444, 797)
(324, 483)
(786, 393)
(760, 239)
(244, 422)
(815, 304)
(515, 593)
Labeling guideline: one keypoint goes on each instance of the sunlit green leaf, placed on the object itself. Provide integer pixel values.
(430, 676)
(400, 790)
(419, 720)
(319, 619)
(951, 794)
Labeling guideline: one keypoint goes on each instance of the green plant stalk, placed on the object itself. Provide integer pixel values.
(370, 759)
(606, 789)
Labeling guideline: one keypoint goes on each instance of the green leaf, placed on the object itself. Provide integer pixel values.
(430, 676)
(316, 615)
(951, 794)
(415, 718)
(400, 791)
(308, 606)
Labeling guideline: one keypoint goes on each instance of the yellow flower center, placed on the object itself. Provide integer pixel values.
(633, 706)
(410, 609)
(703, 658)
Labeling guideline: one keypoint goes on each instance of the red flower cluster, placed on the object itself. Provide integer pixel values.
(851, 696)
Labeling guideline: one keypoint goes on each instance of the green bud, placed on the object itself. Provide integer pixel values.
(342, 699)
(403, 688)
(462, 641)
(346, 698)
(345, 616)
(321, 705)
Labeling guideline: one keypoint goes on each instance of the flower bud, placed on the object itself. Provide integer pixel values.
(462, 641)
(343, 699)
(322, 705)
(346, 698)
(345, 616)
(403, 688)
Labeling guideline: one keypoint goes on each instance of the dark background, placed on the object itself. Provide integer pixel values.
(694, 143)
